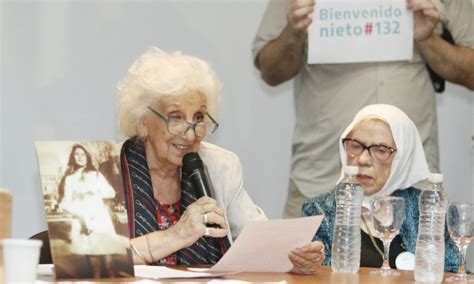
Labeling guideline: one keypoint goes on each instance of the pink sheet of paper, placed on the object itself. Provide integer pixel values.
(263, 246)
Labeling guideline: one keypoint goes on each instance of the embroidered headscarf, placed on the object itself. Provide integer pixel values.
(409, 162)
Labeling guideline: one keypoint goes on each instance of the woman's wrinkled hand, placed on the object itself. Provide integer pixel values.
(308, 258)
(196, 220)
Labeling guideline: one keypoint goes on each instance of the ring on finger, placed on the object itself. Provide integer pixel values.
(205, 218)
(206, 232)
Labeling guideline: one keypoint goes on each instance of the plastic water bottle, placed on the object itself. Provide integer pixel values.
(429, 261)
(346, 234)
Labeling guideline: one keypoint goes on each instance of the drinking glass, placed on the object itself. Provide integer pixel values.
(388, 213)
(461, 229)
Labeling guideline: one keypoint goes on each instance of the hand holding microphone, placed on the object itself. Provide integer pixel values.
(193, 167)
(191, 226)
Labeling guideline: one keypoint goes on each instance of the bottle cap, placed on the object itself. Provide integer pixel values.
(435, 178)
(350, 170)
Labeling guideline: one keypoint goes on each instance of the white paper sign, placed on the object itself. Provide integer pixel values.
(354, 31)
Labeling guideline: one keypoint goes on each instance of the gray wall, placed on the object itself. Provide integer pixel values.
(61, 61)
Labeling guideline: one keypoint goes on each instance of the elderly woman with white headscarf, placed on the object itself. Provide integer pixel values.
(392, 165)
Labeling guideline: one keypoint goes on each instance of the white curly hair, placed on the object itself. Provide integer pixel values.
(156, 73)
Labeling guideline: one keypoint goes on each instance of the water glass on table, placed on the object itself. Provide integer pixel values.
(388, 213)
(460, 219)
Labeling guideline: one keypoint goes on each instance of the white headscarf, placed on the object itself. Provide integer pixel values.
(409, 162)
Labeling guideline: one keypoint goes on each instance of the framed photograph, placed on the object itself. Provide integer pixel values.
(85, 209)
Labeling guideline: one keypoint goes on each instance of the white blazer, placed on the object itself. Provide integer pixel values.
(225, 174)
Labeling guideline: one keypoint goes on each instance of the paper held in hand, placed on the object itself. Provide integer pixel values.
(263, 246)
(348, 31)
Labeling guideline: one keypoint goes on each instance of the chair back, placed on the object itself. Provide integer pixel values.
(45, 254)
(6, 200)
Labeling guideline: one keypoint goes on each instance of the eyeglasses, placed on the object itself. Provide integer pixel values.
(379, 152)
(179, 126)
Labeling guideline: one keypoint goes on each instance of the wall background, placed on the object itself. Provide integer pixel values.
(61, 61)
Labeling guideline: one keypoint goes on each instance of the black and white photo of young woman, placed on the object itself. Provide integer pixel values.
(83, 229)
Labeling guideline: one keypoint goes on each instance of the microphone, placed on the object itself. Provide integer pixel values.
(194, 169)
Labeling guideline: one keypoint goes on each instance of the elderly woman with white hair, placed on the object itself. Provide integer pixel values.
(383, 142)
(167, 105)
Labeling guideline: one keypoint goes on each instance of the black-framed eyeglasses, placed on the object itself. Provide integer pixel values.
(179, 126)
(380, 152)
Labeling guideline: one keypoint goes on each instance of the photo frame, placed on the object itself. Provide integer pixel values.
(85, 209)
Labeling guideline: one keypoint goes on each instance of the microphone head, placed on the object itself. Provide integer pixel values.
(192, 162)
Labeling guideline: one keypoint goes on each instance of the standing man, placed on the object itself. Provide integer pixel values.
(327, 96)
